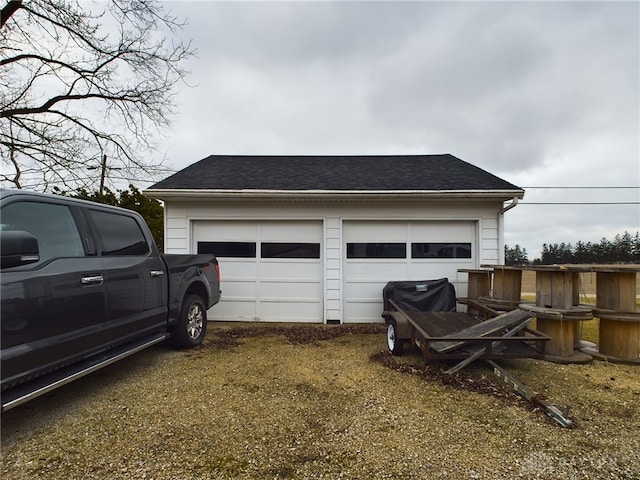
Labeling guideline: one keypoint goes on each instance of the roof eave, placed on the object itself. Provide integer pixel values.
(202, 194)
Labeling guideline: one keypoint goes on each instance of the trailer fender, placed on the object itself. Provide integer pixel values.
(404, 329)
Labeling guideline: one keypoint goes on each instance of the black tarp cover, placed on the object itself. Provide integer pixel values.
(421, 296)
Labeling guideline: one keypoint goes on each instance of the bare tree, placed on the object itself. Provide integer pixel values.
(83, 82)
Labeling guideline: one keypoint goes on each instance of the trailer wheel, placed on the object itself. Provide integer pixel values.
(192, 325)
(396, 346)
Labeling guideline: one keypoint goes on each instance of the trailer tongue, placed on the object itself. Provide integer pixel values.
(525, 392)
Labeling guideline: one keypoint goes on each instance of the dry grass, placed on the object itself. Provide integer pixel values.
(274, 402)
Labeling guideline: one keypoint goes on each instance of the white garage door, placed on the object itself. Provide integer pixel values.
(271, 270)
(382, 251)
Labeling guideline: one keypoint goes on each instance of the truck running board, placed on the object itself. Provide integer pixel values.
(23, 393)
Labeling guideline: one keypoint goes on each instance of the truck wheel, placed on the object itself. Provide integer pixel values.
(396, 346)
(192, 325)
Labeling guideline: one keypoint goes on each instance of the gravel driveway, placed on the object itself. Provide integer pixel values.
(311, 402)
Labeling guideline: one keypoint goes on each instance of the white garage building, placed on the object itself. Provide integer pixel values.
(316, 238)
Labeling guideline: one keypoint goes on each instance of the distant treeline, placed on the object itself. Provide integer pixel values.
(623, 248)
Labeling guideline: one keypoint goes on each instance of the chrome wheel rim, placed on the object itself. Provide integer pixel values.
(195, 321)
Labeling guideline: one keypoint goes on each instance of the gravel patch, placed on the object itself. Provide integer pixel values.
(260, 401)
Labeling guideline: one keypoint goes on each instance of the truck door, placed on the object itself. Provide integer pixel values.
(135, 276)
(53, 310)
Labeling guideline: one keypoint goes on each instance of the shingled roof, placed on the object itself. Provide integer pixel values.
(362, 173)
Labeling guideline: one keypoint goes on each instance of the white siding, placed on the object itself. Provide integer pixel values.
(176, 229)
(333, 270)
(180, 218)
(489, 253)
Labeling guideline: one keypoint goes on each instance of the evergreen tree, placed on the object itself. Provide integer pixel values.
(151, 209)
(515, 256)
(624, 248)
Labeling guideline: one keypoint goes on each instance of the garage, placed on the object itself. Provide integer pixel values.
(272, 270)
(377, 252)
(315, 238)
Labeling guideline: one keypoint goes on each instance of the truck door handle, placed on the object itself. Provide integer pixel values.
(156, 273)
(92, 280)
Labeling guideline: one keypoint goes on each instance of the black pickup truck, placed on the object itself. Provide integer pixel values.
(84, 285)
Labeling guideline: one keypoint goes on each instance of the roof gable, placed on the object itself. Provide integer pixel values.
(334, 173)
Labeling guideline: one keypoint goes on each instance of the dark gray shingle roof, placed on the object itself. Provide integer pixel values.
(334, 173)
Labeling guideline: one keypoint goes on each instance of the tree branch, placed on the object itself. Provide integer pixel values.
(73, 91)
(8, 10)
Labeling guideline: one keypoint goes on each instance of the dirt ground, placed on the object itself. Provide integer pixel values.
(264, 401)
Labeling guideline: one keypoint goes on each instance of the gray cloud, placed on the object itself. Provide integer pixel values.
(540, 93)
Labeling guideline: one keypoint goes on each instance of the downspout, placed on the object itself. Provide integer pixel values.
(501, 213)
(510, 206)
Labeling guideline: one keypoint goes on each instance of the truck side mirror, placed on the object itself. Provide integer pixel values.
(18, 248)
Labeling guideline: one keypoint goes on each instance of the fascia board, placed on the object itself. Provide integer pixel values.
(198, 194)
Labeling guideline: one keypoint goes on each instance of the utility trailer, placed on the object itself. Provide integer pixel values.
(423, 313)
(458, 335)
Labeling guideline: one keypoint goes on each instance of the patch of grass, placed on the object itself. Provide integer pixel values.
(227, 465)
(591, 331)
(279, 402)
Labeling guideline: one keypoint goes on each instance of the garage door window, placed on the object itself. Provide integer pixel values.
(441, 250)
(228, 249)
(376, 250)
(289, 250)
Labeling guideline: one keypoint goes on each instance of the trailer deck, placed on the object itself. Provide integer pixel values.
(458, 335)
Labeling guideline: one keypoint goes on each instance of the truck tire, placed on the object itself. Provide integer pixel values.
(396, 346)
(192, 324)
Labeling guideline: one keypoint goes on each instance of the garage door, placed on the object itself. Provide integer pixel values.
(271, 271)
(379, 252)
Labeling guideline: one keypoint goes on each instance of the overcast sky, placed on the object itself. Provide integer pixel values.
(541, 94)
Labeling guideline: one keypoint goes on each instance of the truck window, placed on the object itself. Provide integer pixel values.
(51, 224)
(120, 234)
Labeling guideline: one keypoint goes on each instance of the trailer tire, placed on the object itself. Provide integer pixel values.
(396, 345)
(192, 324)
